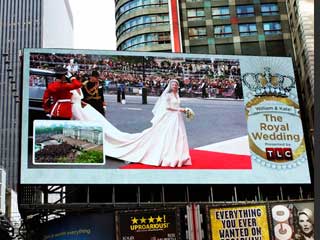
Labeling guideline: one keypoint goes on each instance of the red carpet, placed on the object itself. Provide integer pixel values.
(206, 160)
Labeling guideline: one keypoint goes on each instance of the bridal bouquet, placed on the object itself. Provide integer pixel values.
(189, 114)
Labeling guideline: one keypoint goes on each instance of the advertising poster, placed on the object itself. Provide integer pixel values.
(239, 223)
(147, 225)
(293, 221)
(108, 117)
(273, 114)
(84, 227)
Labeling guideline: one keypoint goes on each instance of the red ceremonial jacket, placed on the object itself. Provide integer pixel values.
(60, 93)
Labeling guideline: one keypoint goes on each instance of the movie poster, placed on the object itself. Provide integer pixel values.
(147, 225)
(272, 108)
(239, 223)
(293, 220)
(84, 227)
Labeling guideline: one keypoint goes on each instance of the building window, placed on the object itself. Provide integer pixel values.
(138, 4)
(223, 31)
(272, 28)
(144, 40)
(143, 21)
(245, 11)
(247, 29)
(221, 12)
(269, 9)
(195, 14)
(197, 33)
(276, 48)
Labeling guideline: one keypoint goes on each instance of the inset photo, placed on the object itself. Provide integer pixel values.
(67, 142)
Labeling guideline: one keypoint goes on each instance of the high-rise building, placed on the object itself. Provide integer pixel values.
(23, 24)
(196, 26)
(301, 19)
(251, 27)
(20, 27)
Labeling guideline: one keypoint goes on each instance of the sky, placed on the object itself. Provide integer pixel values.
(94, 24)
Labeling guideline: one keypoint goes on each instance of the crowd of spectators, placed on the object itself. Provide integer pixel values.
(54, 153)
(221, 76)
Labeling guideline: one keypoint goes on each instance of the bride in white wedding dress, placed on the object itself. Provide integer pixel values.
(165, 143)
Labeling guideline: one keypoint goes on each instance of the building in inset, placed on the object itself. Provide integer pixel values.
(301, 19)
(196, 26)
(24, 24)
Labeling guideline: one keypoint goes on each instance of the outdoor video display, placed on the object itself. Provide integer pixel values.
(107, 117)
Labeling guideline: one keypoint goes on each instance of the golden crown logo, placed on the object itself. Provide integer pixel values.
(266, 84)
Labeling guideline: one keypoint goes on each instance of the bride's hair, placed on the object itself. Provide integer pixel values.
(170, 82)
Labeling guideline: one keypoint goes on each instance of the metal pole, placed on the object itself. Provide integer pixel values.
(235, 193)
(88, 194)
(259, 194)
(187, 194)
(281, 193)
(163, 196)
(301, 192)
(138, 196)
(113, 195)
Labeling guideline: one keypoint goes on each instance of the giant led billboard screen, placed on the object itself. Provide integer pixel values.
(100, 117)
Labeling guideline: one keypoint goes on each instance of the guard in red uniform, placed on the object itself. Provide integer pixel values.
(57, 96)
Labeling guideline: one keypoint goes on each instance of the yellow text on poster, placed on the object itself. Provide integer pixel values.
(239, 223)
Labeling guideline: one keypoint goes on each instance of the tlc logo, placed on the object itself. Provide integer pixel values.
(279, 153)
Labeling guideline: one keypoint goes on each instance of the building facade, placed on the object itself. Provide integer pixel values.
(20, 28)
(237, 27)
(195, 26)
(24, 24)
(301, 19)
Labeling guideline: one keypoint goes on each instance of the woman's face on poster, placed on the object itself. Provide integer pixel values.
(305, 223)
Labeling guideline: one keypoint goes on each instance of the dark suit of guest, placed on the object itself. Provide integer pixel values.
(204, 90)
(238, 91)
(93, 95)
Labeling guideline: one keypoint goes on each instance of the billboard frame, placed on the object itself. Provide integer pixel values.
(218, 179)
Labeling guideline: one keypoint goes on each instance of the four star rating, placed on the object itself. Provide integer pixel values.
(143, 220)
(149, 223)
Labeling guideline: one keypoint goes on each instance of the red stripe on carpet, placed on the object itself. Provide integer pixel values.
(206, 160)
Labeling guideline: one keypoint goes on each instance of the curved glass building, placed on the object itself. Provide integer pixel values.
(143, 25)
(202, 26)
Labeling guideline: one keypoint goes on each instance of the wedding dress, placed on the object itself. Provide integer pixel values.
(85, 112)
(165, 143)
